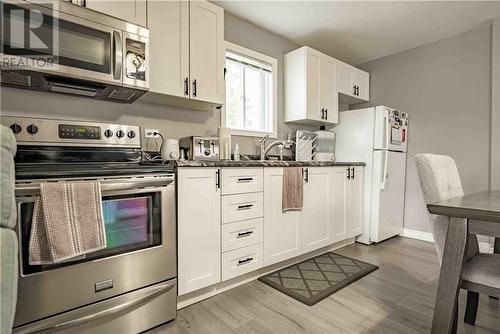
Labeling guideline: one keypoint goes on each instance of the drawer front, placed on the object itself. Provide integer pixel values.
(242, 207)
(242, 180)
(242, 261)
(242, 234)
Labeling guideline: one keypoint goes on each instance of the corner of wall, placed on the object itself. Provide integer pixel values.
(495, 106)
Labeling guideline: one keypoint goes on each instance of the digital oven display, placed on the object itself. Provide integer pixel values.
(69, 131)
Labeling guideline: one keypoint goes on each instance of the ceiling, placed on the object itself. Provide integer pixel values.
(359, 31)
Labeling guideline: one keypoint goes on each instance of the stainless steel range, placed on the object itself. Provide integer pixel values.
(131, 285)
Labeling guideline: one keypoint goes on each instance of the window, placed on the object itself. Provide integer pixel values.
(251, 92)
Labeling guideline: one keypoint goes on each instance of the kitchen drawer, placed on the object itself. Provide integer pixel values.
(242, 207)
(242, 234)
(242, 261)
(242, 180)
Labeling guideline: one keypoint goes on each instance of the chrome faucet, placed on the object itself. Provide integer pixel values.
(287, 143)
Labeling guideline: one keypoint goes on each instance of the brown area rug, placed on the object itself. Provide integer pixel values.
(315, 279)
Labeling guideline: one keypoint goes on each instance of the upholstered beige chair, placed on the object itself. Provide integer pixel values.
(8, 238)
(439, 180)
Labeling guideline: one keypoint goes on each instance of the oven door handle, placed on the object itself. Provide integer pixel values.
(151, 292)
(34, 189)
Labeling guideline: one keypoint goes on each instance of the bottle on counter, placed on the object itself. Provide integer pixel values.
(236, 152)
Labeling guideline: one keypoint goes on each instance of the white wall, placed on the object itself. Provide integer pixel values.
(495, 106)
(446, 89)
(172, 122)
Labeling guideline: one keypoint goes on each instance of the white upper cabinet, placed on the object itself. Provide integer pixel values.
(169, 47)
(207, 52)
(316, 214)
(353, 85)
(309, 87)
(187, 53)
(133, 11)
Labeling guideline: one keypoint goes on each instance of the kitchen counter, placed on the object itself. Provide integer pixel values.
(262, 163)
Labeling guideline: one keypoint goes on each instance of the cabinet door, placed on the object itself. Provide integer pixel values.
(206, 45)
(282, 230)
(317, 205)
(327, 97)
(356, 202)
(340, 204)
(313, 84)
(133, 11)
(169, 47)
(199, 225)
(362, 80)
(343, 78)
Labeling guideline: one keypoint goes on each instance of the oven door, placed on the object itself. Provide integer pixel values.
(72, 46)
(140, 228)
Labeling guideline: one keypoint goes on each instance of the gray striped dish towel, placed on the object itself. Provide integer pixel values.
(67, 222)
(293, 189)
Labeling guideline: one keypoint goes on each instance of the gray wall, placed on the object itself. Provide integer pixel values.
(172, 122)
(446, 89)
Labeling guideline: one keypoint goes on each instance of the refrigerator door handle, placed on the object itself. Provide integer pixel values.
(384, 171)
(387, 132)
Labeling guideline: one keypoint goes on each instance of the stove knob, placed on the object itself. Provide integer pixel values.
(16, 128)
(32, 129)
(108, 133)
(131, 134)
(120, 133)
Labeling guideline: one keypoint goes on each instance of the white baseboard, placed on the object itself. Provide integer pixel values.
(484, 247)
(210, 291)
(419, 235)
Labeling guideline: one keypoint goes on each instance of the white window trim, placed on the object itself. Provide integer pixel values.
(274, 63)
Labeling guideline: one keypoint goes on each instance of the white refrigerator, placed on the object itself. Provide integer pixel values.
(377, 136)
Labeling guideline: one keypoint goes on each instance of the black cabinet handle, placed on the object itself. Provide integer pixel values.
(194, 88)
(248, 259)
(352, 173)
(244, 207)
(217, 179)
(354, 87)
(306, 172)
(322, 113)
(326, 113)
(245, 179)
(348, 172)
(186, 86)
(244, 234)
(357, 90)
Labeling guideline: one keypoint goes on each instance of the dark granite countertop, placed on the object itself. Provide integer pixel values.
(262, 163)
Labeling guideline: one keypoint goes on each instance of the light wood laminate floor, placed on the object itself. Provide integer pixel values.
(397, 298)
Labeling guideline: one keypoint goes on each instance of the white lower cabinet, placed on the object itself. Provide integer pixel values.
(282, 230)
(318, 202)
(241, 261)
(199, 228)
(250, 230)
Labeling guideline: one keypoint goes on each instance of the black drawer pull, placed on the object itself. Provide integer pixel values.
(245, 179)
(245, 234)
(248, 259)
(245, 207)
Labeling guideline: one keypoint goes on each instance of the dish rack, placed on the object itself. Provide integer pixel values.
(305, 145)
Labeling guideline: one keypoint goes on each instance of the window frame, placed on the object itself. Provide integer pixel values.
(245, 52)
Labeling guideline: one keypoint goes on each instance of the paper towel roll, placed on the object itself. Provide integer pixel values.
(224, 143)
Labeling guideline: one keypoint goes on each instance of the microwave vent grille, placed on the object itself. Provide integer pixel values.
(122, 94)
(15, 79)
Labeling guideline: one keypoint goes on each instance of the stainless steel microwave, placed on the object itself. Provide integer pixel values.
(61, 47)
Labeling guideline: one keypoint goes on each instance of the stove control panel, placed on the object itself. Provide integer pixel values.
(52, 132)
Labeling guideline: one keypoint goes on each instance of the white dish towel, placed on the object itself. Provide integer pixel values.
(67, 222)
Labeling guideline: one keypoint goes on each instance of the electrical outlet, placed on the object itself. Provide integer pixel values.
(150, 133)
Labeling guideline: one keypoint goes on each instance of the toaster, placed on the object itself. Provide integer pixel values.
(200, 148)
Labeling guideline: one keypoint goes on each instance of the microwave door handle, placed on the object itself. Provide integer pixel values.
(118, 54)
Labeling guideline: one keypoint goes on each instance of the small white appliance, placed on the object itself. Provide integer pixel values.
(377, 136)
(170, 150)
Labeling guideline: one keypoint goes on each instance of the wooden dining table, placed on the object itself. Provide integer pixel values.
(482, 217)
